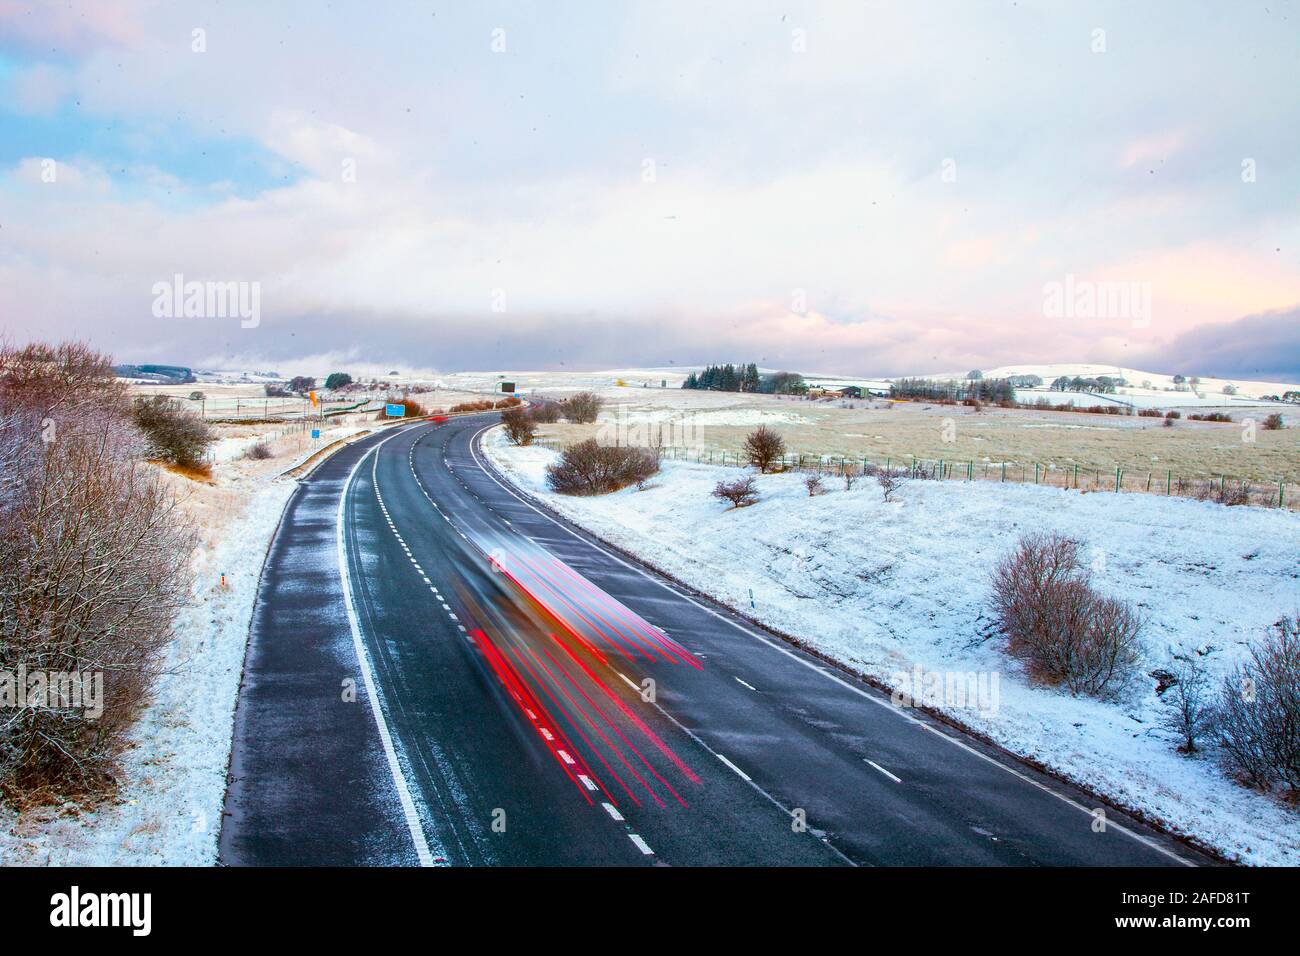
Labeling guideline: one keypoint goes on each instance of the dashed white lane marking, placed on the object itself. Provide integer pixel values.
(787, 652)
(747, 684)
(586, 781)
(627, 680)
(564, 755)
(641, 844)
(743, 775)
(546, 733)
(885, 772)
(610, 809)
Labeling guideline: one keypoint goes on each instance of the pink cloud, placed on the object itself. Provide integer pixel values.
(72, 28)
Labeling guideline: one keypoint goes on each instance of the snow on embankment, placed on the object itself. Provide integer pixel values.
(884, 587)
(168, 811)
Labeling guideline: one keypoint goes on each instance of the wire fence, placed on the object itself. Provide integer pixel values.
(1223, 488)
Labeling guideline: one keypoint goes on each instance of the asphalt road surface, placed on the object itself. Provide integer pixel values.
(440, 673)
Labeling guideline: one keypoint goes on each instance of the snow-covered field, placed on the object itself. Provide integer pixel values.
(885, 587)
(168, 810)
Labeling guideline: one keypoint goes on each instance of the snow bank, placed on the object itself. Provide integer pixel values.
(885, 587)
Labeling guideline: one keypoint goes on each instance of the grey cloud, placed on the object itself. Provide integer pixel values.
(1264, 346)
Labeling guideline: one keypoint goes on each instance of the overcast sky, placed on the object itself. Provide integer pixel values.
(846, 187)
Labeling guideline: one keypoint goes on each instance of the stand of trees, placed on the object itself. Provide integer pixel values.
(1102, 383)
(995, 390)
(725, 378)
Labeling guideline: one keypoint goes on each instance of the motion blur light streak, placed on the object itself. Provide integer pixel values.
(545, 588)
(524, 697)
(649, 733)
(654, 738)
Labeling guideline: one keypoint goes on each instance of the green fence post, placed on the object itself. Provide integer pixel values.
(1004, 471)
(1280, 499)
(1169, 482)
(1035, 472)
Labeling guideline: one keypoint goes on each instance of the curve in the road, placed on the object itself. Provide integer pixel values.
(514, 704)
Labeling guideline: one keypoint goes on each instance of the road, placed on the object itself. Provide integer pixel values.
(439, 673)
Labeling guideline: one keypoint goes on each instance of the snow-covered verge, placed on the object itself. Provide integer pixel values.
(168, 809)
(886, 587)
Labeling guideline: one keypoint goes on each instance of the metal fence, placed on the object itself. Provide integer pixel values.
(1226, 489)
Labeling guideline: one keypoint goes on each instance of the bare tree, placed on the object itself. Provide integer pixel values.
(174, 434)
(582, 408)
(741, 493)
(92, 571)
(520, 427)
(850, 477)
(763, 446)
(1258, 717)
(589, 468)
(1192, 713)
(814, 484)
(890, 481)
(1054, 621)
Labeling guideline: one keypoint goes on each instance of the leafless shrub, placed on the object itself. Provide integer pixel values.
(1192, 715)
(1272, 423)
(1054, 621)
(1223, 491)
(582, 408)
(741, 493)
(1258, 717)
(92, 569)
(890, 481)
(850, 478)
(545, 412)
(259, 451)
(174, 434)
(763, 446)
(815, 485)
(589, 468)
(411, 407)
(520, 428)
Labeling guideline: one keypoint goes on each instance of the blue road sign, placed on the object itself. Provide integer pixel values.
(395, 411)
(315, 433)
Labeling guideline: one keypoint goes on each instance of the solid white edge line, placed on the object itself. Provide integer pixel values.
(1145, 841)
(363, 660)
(885, 772)
(744, 776)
